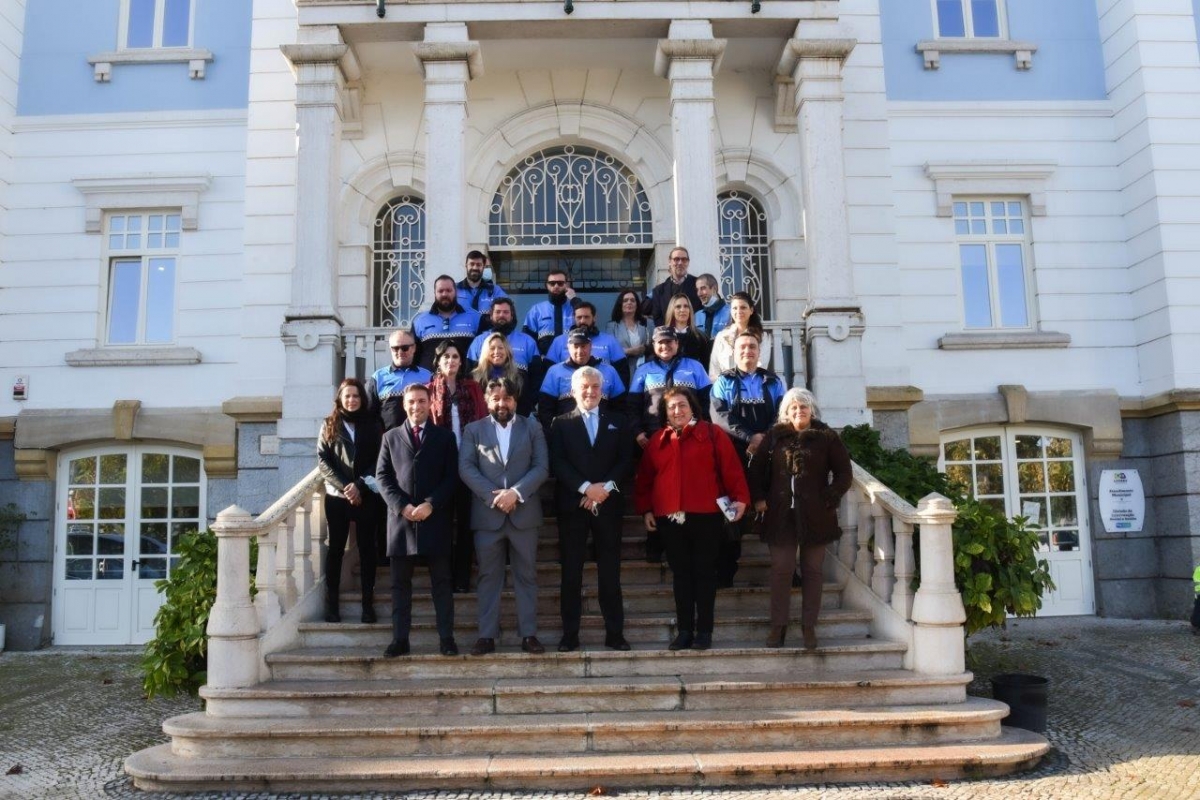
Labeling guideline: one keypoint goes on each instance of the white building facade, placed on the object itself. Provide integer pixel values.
(973, 221)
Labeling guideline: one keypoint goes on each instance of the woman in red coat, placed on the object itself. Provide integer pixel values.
(685, 467)
(456, 400)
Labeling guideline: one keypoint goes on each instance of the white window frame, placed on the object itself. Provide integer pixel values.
(990, 241)
(969, 21)
(145, 253)
(159, 20)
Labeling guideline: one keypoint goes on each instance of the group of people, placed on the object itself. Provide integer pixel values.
(443, 445)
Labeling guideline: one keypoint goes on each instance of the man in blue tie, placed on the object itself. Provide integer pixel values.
(591, 453)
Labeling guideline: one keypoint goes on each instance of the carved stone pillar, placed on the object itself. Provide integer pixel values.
(689, 58)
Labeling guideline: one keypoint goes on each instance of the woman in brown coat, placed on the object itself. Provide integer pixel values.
(797, 478)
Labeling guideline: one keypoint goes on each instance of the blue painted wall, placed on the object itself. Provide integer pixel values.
(60, 35)
(1068, 64)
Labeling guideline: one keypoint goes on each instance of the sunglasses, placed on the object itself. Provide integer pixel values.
(402, 348)
(556, 283)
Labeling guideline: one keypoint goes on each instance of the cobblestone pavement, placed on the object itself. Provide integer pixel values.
(1124, 721)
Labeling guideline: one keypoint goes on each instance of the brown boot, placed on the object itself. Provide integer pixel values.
(810, 636)
(777, 635)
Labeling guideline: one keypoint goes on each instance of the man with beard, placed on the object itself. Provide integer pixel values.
(385, 389)
(553, 316)
(678, 281)
(504, 461)
(504, 321)
(556, 397)
(478, 291)
(604, 345)
(445, 319)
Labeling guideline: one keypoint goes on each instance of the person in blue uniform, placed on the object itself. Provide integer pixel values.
(667, 368)
(604, 345)
(744, 403)
(446, 320)
(555, 315)
(555, 398)
(479, 290)
(385, 389)
(504, 322)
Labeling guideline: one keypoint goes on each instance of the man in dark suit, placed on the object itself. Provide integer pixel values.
(591, 452)
(503, 461)
(417, 475)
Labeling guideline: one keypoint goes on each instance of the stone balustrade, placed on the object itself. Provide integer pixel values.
(290, 536)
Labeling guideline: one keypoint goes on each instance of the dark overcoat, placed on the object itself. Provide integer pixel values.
(408, 476)
(802, 475)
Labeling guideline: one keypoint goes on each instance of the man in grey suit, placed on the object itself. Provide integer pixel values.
(503, 461)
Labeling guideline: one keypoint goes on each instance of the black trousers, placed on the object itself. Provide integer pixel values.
(463, 548)
(367, 518)
(692, 555)
(574, 525)
(1196, 613)
(402, 589)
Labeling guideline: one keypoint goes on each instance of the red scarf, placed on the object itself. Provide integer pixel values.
(440, 398)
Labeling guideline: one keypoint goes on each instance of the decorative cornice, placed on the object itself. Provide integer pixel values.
(796, 49)
(893, 398)
(1004, 340)
(35, 465)
(147, 190)
(470, 52)
(688, 50)
(314, 53)
(1157, 405)
(990, 178)
(254, 409)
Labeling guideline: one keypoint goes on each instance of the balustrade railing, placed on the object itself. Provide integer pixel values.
(290, 536)
(877, 550)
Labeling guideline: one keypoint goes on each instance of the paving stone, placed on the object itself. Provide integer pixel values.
(1124, 722)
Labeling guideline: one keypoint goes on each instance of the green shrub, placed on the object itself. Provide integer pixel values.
(995, 559)
(175, 659)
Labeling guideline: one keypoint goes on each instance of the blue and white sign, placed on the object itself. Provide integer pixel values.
(1122, 500)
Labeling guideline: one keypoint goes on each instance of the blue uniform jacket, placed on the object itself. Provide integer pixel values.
(652, 378)
(480, 298)
(524, 348)
(431, 329)
(604, 347)
(385, 391)
(555, 397)
(746, 403)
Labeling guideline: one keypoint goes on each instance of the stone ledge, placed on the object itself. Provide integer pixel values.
(1157, 405)
(133, 357)
(932, 49)
(35, 465)
(893, 398)
(263, 408)
(1004, 340)
(197, 60)
(8, 428)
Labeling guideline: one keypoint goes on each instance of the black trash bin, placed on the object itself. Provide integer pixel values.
(1026, 699)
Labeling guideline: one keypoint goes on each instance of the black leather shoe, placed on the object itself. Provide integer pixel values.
(616, 641)
(368, 616)
(483, 646)
(396, 648)
(331, 614)
(681, 642)
(703, 641)
(568, 643)
(530, 644)
(448, 646)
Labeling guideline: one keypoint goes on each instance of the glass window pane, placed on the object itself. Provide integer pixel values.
(154, 503)
(110, 540)
(80, 541)
(977, 305)
(140, 32)
(1015, 210)
(1010, 272)
(1062, 476)
(960, 475)
(154, 539)
(996, 503)
(960, 209)
(1016, 226)
(989, 479)
(176, 17)
(1031, 477)
(84, 503)
(1057, 447)
(1044, 541)
(187, 470)
(185, 501)
(987, 448)
(160, 300)
(135, 223)
(1066, 540)
(116, 241)
(116, 224)
(961, 227)
(978, 226)
(83, 470)
(171, 240)
(123, 303)
(1029, 446)
(1063, 512)
(112, 468)
(950, 18)
(985, 17)
(112, 504)
(110, 569)
(997, 209)
(958, 450)
(154, 240)
(155, 223)
(977, 209)
(79, 569)
(1034, 510)
(173, 222)
(152, 569)
(179, 530)
(999, 226)
(154, 468)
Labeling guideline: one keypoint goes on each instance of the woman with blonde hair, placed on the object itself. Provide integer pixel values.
(496, 362)
(681, 318)
(797, 478)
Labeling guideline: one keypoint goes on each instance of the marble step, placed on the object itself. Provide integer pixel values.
(457, 696)
(650, 628)
(157, 768)
(199, 736)
(743, 659)
(643, 599)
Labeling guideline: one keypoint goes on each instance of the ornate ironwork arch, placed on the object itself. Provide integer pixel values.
(744, 248)
(399, 262)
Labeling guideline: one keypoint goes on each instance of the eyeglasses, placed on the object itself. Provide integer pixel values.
(556, 283)
(402, 348)
(679, 258)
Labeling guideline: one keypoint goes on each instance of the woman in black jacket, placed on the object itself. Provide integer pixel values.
(346, 455)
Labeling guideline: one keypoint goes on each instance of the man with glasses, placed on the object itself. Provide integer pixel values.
(385, 390)
(678, 280)
(445, 319)
(479, 290)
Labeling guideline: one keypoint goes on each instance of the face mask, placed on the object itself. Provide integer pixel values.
(487, 273)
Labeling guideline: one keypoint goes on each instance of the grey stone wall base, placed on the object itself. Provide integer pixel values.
(26, 625)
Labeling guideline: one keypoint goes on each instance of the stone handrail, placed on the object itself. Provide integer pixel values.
(290, 538)
(876, 549)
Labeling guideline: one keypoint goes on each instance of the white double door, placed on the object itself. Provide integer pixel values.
(120, 513)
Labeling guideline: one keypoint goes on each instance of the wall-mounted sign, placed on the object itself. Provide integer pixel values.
(21, 387)
(1122, 500)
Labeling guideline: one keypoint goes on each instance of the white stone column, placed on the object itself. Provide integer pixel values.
(233, 625)
(834, 319)
(450, 59)
(689, 58)
(939, 638)
(311, 331)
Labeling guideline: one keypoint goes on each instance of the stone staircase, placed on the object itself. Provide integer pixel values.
(325, 711)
